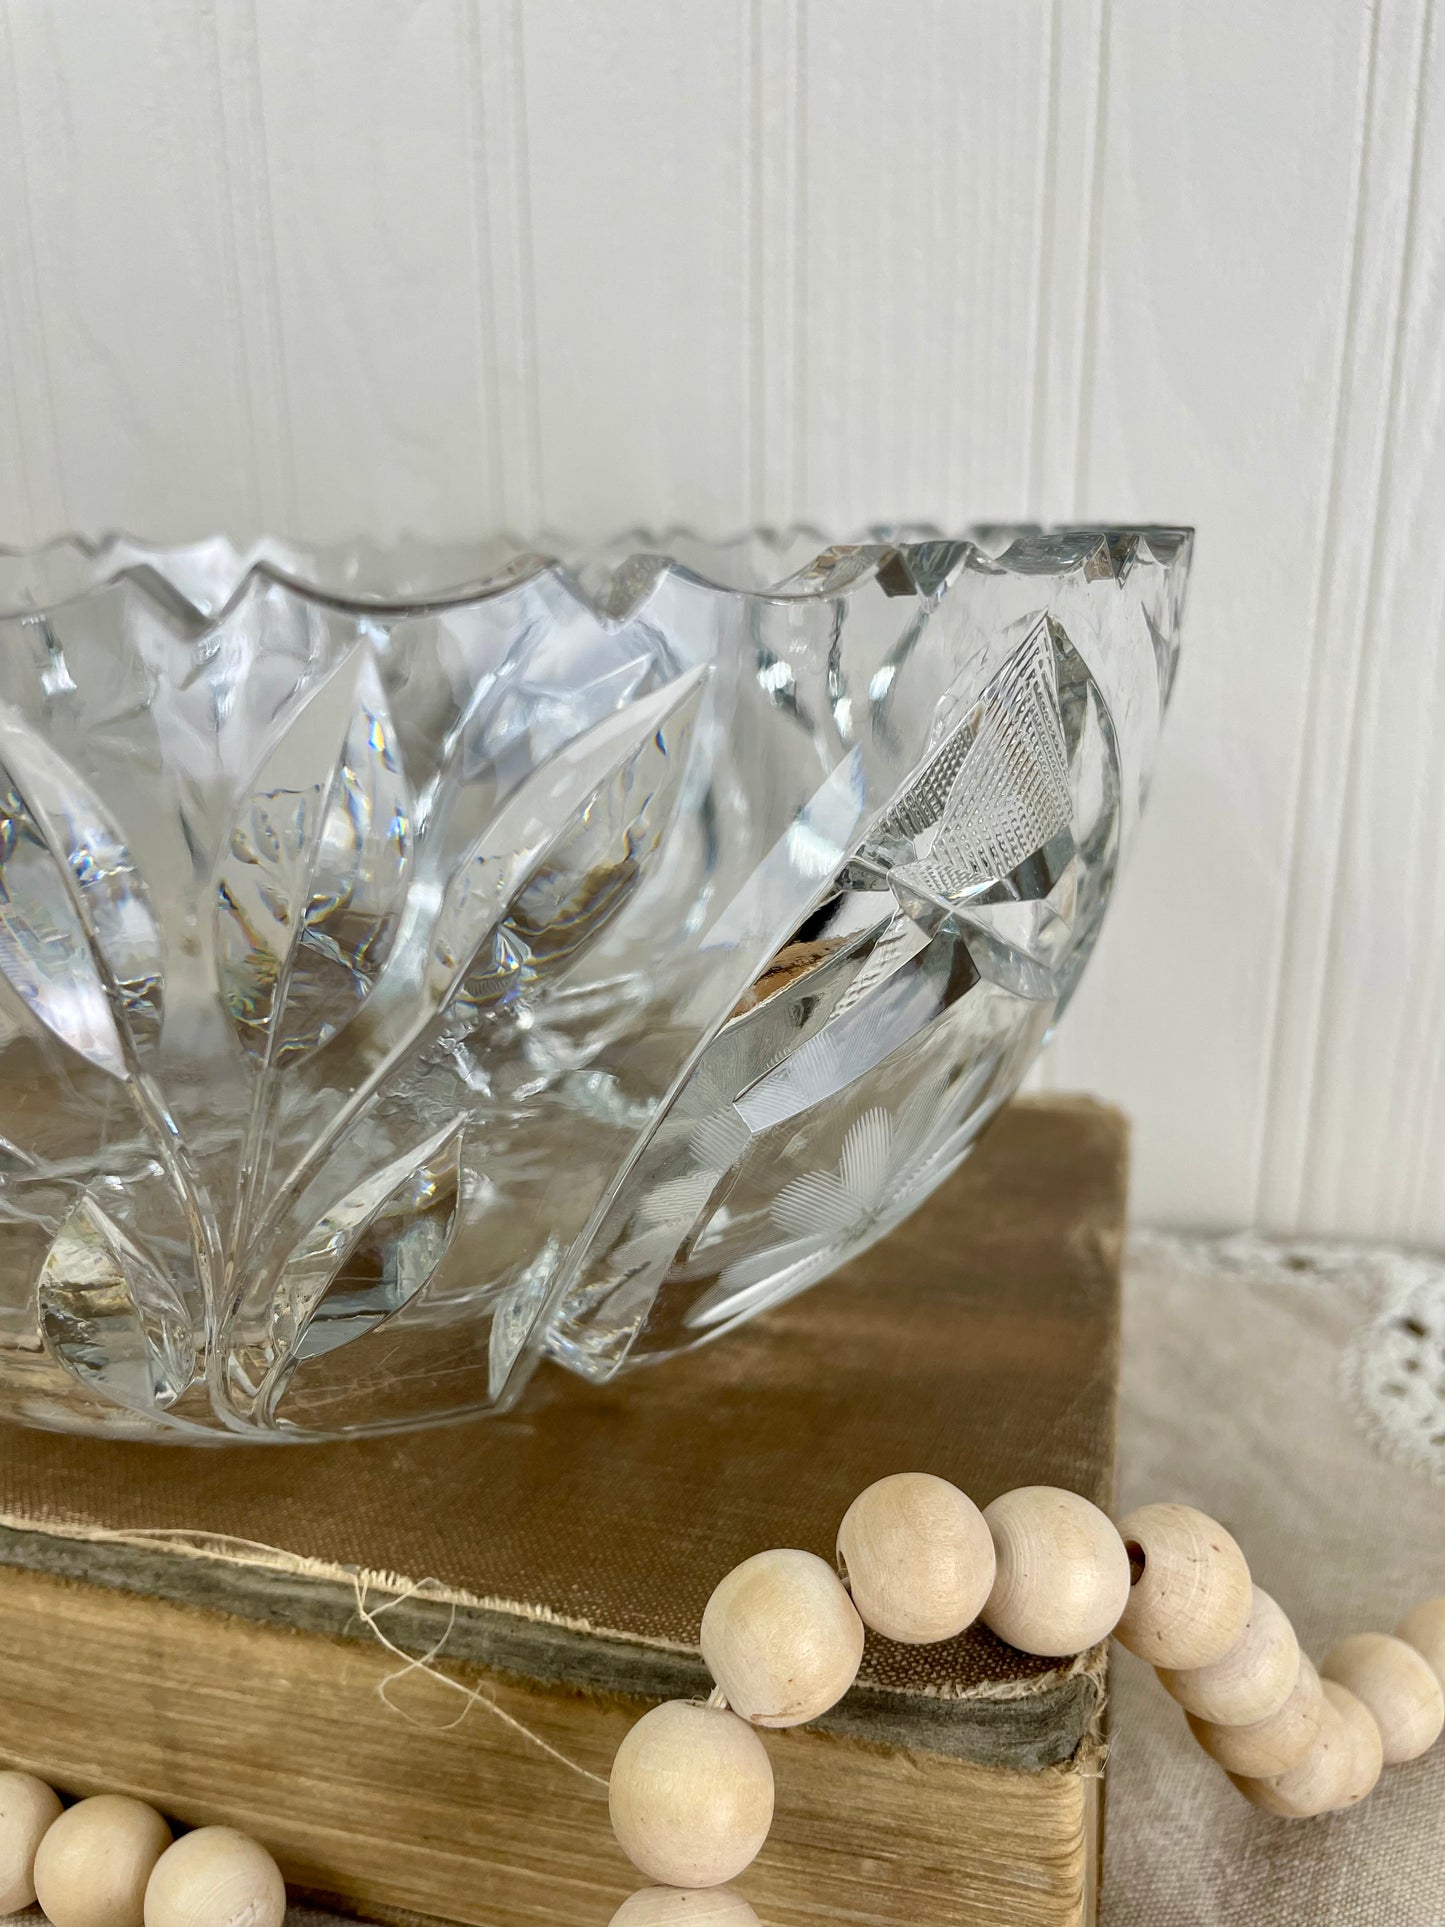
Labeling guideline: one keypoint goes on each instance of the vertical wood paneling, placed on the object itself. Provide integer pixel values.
(1376, 1147)
(1069, 239)
(17, 518)
(776, 187)
(369, 169)
(1344, 591)
(31, 496)
(127, 386)
(265, 467)
(637, 167)
(923, 152)
(1225, 193)
(501, 252)
(1067, 285)
(335, 265)
(1415, 574)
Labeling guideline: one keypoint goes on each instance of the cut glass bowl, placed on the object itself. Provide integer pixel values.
(414, 966)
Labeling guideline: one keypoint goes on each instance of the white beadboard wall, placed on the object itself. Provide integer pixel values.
(328, 265)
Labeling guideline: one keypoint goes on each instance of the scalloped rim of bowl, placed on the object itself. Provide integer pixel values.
(633, 563)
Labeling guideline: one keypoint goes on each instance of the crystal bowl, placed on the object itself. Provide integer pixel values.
(415, 965)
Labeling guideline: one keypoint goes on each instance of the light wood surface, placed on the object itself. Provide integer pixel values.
(1191, 1593)
(782, 1638)
(285, 1735)
(1320, 1782)
(677, 1907)
(1423, 1627)
(1062, 1575)
(1397, 1684)
(918, 1558)
(1253, 1679)
(1271, 1745)
(215, 1877)
(1367, 1752)
(92, 1867)
(691, 1795)
(27, 1807)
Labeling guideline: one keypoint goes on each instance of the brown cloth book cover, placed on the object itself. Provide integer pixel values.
(584, 1534)
(573, 1545)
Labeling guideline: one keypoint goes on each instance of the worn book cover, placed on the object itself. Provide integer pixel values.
(218, 1630)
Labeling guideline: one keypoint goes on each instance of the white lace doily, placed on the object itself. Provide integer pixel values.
(1392, 1373)
(1395, 1371)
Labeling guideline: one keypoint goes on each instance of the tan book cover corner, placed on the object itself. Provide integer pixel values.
(184, 1624)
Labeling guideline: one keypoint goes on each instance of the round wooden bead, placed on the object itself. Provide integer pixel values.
(1191, 1593)
(1063, 1573)
(1397, 1685)
(1367, 1752)
(691, 1795)
(27, 1809)
(685, 1907)
(1254, 1678)
(782, 1638)
(1316, 1784)
(1424, 1629)
(918, 1558)
(1271, 1745)
(215, 1877)
(92, 1866)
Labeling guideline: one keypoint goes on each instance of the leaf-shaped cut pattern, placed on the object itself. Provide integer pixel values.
(79, 943)
(111, 1316)
(565, 669)
(560, 858)
(565, 853)
(367, 1256)
(314, 874)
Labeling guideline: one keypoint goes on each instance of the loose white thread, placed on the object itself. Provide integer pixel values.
(422, 1663)
(221, 1543)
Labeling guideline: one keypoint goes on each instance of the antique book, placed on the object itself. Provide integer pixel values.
(218, 1631)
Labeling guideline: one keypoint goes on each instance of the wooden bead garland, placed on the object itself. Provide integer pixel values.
(1367, 1750)
(918, 1557)
(691, 1791)
(215, 1877)
(1317, 1783)
(689, 1907)
(1397, 1685)
(1253, 1679)
(28, 1808)
(691, 1795)
(1063, 1574)
(1170, 1582)
(782, 1638)
(1271, 1745)
(92, 1866)
(1339, 1770)
(110, 1861)
(1191, 1595)
(1424, 1629)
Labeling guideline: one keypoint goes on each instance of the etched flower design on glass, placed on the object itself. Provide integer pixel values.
(417, 965)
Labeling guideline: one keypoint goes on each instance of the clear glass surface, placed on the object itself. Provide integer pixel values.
(418, 964)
